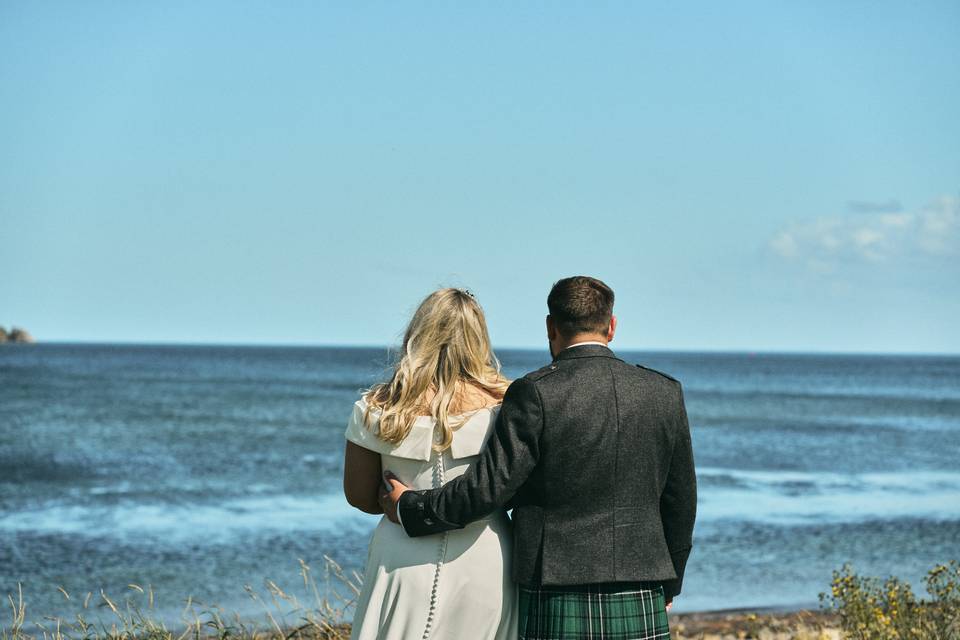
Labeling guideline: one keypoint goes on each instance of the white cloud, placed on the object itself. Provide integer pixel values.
(897, 219)
(864, 206)
(933, 232)
(785, 244)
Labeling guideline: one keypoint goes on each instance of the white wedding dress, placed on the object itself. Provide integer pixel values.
(448, 586)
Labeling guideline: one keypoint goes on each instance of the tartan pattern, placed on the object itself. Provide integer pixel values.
(593, 612)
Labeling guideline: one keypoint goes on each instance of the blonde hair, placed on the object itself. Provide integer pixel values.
(445, 348)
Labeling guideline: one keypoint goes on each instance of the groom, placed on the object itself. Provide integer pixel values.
(595, 459)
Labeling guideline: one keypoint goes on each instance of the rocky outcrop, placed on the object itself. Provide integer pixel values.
(16, 334)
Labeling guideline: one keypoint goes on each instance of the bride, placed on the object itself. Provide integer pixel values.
(427, 424)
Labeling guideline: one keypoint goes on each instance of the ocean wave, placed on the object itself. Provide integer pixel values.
(20, 467)
(835, 424)
(210, 522)
(798, 496)
(943, 397)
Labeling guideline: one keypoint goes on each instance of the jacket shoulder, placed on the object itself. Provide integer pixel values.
(659, 373)
(542, 372)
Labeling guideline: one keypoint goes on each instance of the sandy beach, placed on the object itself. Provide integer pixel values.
(726, 624)
(764, 624)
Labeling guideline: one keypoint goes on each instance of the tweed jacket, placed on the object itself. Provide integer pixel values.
(594, 456)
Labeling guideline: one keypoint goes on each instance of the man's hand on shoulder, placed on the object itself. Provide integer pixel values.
(390, 493)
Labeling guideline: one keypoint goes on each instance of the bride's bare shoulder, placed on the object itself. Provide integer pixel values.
(474, 398)
(467, 399)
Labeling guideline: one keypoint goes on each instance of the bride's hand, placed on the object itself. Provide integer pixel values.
(669, 604)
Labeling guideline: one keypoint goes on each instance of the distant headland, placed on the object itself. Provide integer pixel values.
(16, 334)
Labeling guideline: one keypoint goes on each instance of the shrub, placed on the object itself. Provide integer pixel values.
(873, 609)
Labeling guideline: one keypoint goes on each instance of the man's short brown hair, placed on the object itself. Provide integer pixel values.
(580, 304)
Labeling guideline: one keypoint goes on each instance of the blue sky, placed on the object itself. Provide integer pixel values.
(747, 175)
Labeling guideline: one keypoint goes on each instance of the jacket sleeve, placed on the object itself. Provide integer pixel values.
(505, 463)
(678, 502)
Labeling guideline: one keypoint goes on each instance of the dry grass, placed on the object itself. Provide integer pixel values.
(861, 608)
(320, 618)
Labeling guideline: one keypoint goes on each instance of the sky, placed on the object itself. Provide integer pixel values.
(757, 176)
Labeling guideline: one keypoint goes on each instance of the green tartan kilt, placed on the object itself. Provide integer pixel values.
(595, 612)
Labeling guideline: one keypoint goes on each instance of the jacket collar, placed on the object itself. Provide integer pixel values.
(586, 351)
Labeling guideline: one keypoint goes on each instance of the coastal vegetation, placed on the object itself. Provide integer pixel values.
(16, 334)
(857, 608)
(873, 609)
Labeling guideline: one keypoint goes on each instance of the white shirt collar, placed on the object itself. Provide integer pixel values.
(577, 344)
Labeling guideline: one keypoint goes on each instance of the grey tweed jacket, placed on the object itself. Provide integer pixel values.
(594, 457)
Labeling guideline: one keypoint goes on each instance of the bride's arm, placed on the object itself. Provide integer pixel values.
(361, 478)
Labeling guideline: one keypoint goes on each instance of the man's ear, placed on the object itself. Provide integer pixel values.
(551, 329)
(612, 329)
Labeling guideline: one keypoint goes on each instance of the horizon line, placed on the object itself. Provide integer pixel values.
(302, 345)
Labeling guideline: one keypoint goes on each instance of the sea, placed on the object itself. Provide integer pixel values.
(206, 473)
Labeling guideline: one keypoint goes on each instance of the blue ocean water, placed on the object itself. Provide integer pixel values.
(199, 469)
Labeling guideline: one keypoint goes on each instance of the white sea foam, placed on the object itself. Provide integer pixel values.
(771, 496)
(208, 522)
(805, 497)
